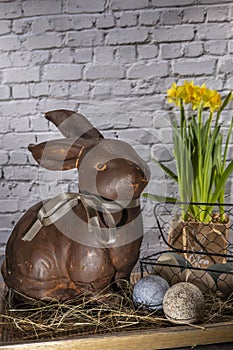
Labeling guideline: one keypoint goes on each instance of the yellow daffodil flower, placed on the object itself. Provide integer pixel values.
(194, 95)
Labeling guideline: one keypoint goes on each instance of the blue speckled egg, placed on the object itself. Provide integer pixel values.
(149, 292)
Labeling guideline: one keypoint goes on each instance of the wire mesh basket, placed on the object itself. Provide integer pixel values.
(194, 251)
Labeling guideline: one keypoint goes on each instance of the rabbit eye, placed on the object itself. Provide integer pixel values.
(100, 166)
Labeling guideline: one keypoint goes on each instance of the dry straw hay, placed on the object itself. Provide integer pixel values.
(112, 312)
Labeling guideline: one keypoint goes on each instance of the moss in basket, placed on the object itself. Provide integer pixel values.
(199, 151)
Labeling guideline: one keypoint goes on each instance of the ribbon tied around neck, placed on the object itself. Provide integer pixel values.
(55, 208)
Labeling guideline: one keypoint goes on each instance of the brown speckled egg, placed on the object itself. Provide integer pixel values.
(183, 303)
(169, 266)
(225, 283)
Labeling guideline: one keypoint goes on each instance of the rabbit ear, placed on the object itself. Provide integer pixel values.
(61, 154)
(72, 124)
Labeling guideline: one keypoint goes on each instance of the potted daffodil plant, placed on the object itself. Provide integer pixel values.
(202, 170)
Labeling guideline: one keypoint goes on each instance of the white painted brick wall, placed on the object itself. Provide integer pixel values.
(112, 60)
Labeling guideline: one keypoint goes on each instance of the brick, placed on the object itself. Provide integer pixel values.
(85, 6)
(9, 43)
(4, 189)
(139, 70)
(62, 56)
(20, 124)
(8, 11)
(17, 157)
(19, 75)
(126, 54)
(137, 136)
(40, 25)
(47, 104)
(20, 58)
(78, 90)
(104, 72)
(5, 60)
(23, 205)
(45, 136)
(22, 25)
(83, 55)
(6, 220)
(18, 108)
(101, 90)
(170, 17)
(162, 119)
(147, 51)
(122, 88)
(22, 173)
(39, 123)
(162, 152)
(193, 49)
(171, 3)
(103, 55)
(62, 72)
(105, 21)
(59, 89)
(83, 22)
(4, 157)
(84, 38)
(229, 83)
(39, 89)
(215, 47)
(230, 46)
(215, 31)
(8, 206)
(193, 14)
(194, 67)
(166, 134)
(59, 24)
(127, 20)
(128, 4)
(149, 17)
(20, 91)
(5, 124)
(4, 92)
(42, 7)
(218, 14)
(210, 2)
(42, 41)
(164, 84)
(4, 236)
(179, 33)
(5, 27)
(145, 87)
(211, 82)
(21, 189)
(225, 65)
(40, 57)
(169, 51)
(127, 36)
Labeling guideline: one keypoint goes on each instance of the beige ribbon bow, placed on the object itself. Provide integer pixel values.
(55, 208)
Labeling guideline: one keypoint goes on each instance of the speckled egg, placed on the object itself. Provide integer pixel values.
(183, 303)
(149, 292)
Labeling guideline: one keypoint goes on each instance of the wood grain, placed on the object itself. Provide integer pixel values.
(174, 337)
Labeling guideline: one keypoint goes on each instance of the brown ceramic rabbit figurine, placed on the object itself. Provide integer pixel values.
(95, 242)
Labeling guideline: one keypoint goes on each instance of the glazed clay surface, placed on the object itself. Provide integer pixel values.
(70, 256)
